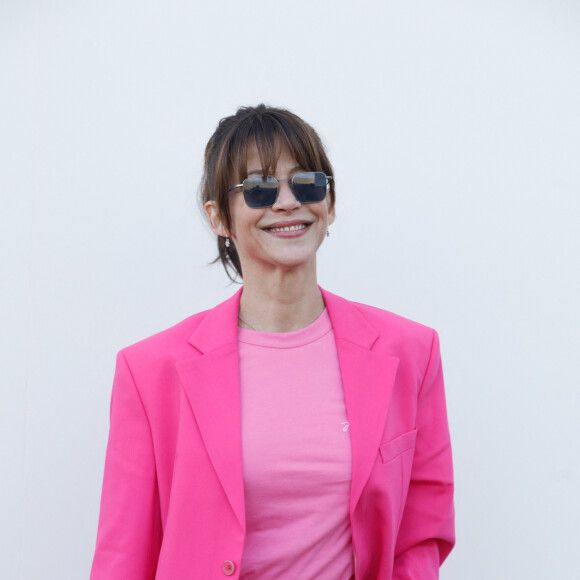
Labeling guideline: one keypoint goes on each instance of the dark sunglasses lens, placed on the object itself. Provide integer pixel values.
(260, 192)
(309, 187)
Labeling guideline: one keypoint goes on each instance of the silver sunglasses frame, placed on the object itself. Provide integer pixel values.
(327, 177)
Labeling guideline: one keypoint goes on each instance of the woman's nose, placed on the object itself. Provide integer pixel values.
(286, 199)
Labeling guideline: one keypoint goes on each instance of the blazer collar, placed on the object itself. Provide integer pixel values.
(347, 323)
(219, 327)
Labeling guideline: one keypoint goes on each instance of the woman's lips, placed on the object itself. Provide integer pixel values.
(288, 229)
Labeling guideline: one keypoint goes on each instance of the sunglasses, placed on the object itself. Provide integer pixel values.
(307, 187)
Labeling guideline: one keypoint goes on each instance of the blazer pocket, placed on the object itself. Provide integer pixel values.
(397, 446)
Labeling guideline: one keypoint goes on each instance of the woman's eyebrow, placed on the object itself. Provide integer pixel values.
(296, 169)
(260, 172)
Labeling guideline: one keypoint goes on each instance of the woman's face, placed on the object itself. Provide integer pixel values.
(261, 242)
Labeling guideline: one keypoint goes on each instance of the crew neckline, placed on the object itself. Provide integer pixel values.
(292, 339)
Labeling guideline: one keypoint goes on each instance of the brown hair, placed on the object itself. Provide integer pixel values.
(225, 162)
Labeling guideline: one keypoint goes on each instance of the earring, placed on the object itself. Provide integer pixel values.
(328, 233)
(227, 242)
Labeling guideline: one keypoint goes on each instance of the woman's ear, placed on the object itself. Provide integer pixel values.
(215, 222)
(331, 215)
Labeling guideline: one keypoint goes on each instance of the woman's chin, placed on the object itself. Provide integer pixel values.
(285, 261)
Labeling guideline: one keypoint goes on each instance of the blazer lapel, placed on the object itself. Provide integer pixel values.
(368, 377)
(212, 384)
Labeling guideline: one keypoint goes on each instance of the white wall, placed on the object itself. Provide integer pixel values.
(454, 129)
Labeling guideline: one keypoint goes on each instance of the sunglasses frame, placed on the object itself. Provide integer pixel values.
(271, 177)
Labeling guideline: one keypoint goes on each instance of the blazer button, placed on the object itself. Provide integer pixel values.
(228, 568)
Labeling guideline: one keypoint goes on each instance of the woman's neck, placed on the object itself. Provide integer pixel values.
(282, 302)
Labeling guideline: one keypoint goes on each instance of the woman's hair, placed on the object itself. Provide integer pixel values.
(225, 163)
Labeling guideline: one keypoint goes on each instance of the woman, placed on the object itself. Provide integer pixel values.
(286, 433)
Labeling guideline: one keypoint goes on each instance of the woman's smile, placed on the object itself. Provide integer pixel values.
(288, 229)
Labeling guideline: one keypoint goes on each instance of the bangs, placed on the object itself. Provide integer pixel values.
(270, 133)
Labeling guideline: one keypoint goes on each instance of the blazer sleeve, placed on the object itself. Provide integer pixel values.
(427, 533)
(129, 532)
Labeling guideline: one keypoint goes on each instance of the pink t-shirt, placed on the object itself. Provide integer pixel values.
(297, 455)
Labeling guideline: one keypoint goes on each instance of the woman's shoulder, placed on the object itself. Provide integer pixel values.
(202, 332)
(383, 331)
(385, 321)
(392, 320)
(413, 343)
(170, 342)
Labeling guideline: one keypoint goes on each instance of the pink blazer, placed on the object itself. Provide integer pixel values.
(172, 504)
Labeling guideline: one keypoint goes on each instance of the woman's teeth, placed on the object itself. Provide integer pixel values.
(288, 228)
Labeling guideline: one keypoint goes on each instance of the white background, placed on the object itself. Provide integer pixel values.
(454, 130)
